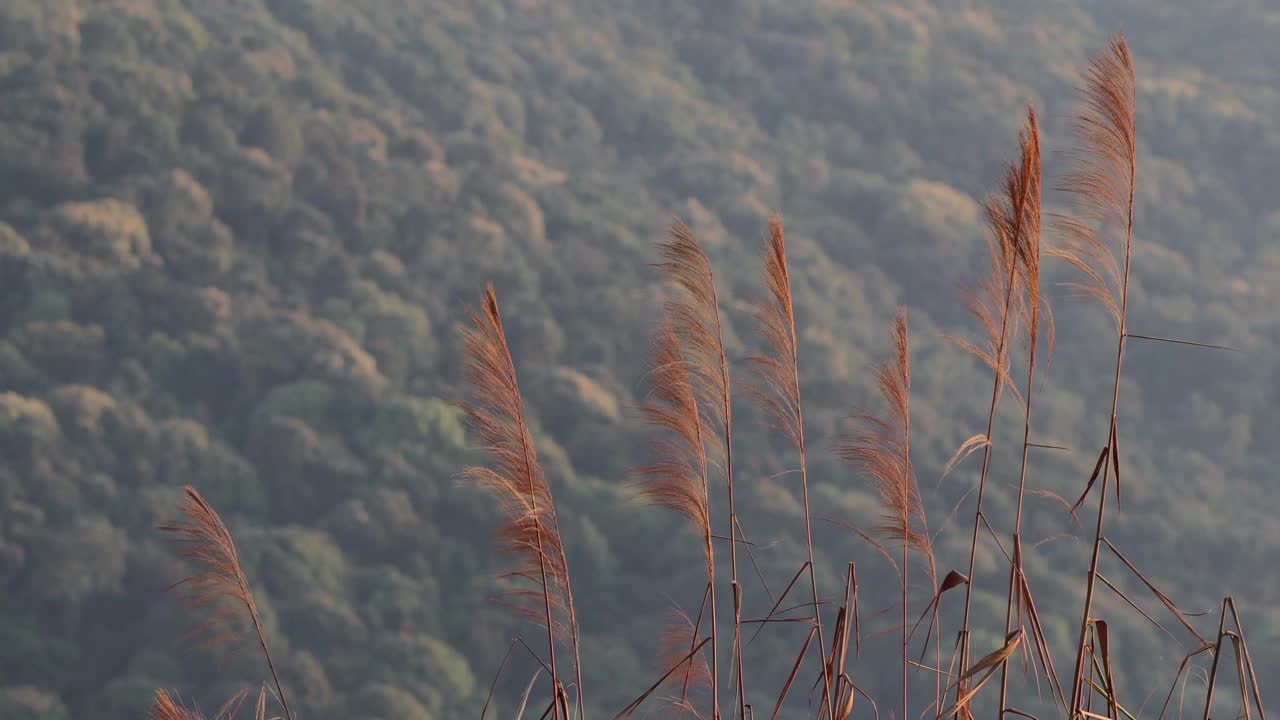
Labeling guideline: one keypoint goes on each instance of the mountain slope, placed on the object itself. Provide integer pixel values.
(237, 240)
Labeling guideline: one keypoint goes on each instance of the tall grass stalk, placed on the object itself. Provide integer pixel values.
(1102, 184)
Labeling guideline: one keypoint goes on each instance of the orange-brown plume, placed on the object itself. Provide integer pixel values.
(695, 318)
(882, 450)
(676, 643)
(778, 372)
(1025, 182)
(1102, 180)
(1012, 290)
(1014, 213)
(778, 390)
(514, 477)
(221, 590)
(164, 707)
(1102, 185)
(1030, 182)
(679, 480)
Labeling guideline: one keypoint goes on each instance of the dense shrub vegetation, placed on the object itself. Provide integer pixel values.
(237, 238)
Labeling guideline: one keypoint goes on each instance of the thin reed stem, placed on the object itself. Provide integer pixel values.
(1028, 260)
(497, 414)
(697, 324)
(1008, 244)
(996, 384)
(779, 392)
(1105, 185)
(883, 452)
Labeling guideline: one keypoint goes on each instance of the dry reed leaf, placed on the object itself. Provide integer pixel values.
(773, 611)
(1248, 661)
(795, 669)
(1097, 469)
(1039, 639)
(1182, 667)
(1132, 604)
(952, 580)
(484, 710)
(988, 664)
(1103, 635)
(870, 540)
(260, 708)
(528, 690)
(1115, 459)
(634, 705)
(1244, 665)
(1164, 599)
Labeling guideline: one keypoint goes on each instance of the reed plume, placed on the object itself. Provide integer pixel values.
(1000, 301)
(1101, 185)
(694, 317)
(675, 646)
(1015, 211)
(515, 478)
(882, 452)
(679, 480)
(220, 591)
(778, 390)
(164, 707)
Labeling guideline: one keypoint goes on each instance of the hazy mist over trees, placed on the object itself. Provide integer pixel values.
(239, 238)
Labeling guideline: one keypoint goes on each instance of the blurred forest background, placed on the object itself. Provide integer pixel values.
(237, 239)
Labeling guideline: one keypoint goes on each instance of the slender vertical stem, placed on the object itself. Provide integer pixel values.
(262, 640)
(711, 575)
(546, 593)
(573, 622)
(715, 642)
(1244, 647)
(829, 697)
(733, 527)
(1016, 568)
(1113, 434)
(711, 591)
(986, 465)
(737, 612)
(1217, 655)
(906, 548)
(782, 374)
(526, 443)
(711, 585)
